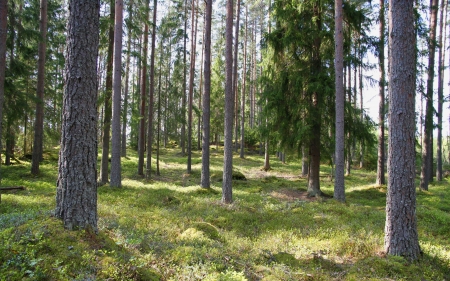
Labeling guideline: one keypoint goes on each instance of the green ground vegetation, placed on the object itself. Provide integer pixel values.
(170, 228)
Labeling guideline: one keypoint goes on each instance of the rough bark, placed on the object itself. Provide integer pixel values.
(183, 99)
(116, 178)
(143, 84)
(151, 95)
(380, 162)
(440, 88)
(401, 237)
(3, 32)
(229, 104)
(205, 180)
(427, 152)
(339, 185)
(108, 95)
(39, 118)
(76, 194)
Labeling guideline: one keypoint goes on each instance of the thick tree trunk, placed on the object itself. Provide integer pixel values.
(143, 84)
(205, 181)
(229, 104)
(401, 237)
(427, 151)
(339, 185)
(148, 171)
(440, 88)
(116, 178)
(108, 94)
(3, 32)
(39, 121)
(76, 194)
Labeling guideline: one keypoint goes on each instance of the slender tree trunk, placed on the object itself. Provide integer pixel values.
(229, 103)
(349, 136)
(244, 79)
(127, 75)
(159, 111)
(235, 72)
(76, 193)
(39, 121)
(205, 181)
(401, 237)
(3, 32)
(427, 152)
(199, 126)
(143, 83)
(108, 94)
(148, 172)
(339, 183)
(440, 88)
(183, 99)
(381, 154)
(191, 88)
(116, 178)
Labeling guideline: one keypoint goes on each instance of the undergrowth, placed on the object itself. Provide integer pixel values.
(168, 228)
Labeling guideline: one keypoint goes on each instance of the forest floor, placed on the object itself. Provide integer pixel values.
(169, 228)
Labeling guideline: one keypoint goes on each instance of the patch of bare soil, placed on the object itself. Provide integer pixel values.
(292, 195)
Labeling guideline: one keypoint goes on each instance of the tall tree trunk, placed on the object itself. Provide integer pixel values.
(116, 178)
(205, 181)
(127, 76)
(349, 136)
(427, 152)
(3, 32)
(39, 121)
(315, 113)
(143, 83)
(148, 172)
(191, 88)
(158, 130)
(183, 99)
(76, 193)
(235, 72)
(244, 79)
(401, 237)
(339, 183)
(381, 180)
(108, 94)
(227, 194)
(440, 88)
(199, 125)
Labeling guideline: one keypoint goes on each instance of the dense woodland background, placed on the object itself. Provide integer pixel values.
(260, 83)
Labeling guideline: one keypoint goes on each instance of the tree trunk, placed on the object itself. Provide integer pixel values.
(235, 72)
(427, 152)
(191, 90)
(440, 88)
(3, 32)
(339, 183)
(199, 125)
(183, 99)
(127, 76)
(141, 140)
(229, 103)
(76, 194)
(205, 180)
(381, 153)
(244, 79)
(158, 130)
(116, 178)
(39, 121)
(148, 172)
(108, 94)
(401, 237)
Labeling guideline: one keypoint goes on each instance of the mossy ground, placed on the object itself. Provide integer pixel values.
(168, 228)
